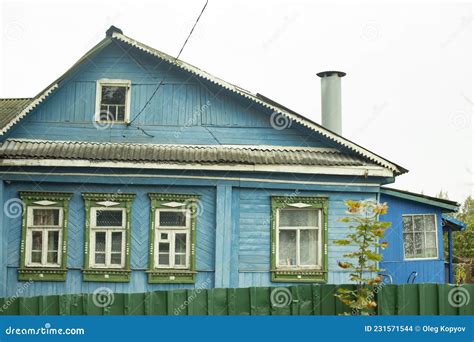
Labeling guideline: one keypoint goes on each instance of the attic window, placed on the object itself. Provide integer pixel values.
(113, 101)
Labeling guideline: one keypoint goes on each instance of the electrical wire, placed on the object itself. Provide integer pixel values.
(163, 79)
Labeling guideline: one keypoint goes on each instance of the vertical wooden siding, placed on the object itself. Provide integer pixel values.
(185, 110)
(254, 238)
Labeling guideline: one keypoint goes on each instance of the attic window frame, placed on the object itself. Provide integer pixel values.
(113, 83)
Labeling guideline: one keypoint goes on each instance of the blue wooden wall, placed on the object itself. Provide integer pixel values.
(185, 110)
(254, 235)
(205, 239)
(429, 271)
(233, 229)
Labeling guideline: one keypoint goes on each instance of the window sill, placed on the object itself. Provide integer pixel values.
(162, 276)
(299, 276)
(421, 259)
(107, 275)
(42, 274)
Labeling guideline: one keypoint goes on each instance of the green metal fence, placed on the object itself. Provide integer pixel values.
(413, 299)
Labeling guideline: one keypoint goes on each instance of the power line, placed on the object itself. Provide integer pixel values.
(163, 79)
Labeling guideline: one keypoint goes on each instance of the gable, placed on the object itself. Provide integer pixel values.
(191, 106)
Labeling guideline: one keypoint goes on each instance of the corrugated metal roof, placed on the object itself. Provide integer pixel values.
(10, 108)
(202, 154)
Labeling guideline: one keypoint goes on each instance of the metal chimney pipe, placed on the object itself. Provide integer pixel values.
(331, 100)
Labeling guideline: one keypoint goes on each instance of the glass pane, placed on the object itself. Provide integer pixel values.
(407, 224)
(430, 240)
(116, 258)
(164, 259)
(100, 242)
(37, 243)
(419, 244)
(111, 113)
(36, 257)
(121, 113)
(164, 236)
(53, 240)
(113, 94)
(430, 253)
(163, 247)
(52, 258)
(46, 217)
(418, 219)
(172, 219)
(408, 245)
(100, 258)
(180, 243)
(430, 225)
(308, 247)
(109, 218)
(287, 248)
(298, 218)
(180, 260)
(117, 242)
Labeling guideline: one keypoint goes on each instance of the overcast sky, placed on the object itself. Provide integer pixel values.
(407, 95)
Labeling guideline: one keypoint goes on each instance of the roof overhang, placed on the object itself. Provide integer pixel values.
(446, 205)
(452, 224)
(359, 171)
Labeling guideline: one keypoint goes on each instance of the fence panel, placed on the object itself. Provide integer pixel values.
(407, 299)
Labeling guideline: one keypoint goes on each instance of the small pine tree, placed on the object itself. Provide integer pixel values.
(366, 233)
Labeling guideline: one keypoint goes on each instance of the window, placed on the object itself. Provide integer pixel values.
(107, 237)
(299, 239)
(420, 238)
(173, 231)
(172, 228)
(44, 232)
(113, 101)
(107, 240)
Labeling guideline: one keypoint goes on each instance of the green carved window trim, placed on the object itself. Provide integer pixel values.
(158, 275)
(44, 199)
(107, 201)
(300, 275)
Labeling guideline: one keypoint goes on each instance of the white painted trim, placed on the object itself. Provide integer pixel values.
(172, 231)
(93, 217)
(240, 179)
(44, 238)
(98, 97)
(424, 233)
(298, 230)
(364, 171)
(301, 120)
(29, 108)
(108, 230)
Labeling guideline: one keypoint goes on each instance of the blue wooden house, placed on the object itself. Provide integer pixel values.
(139, 172)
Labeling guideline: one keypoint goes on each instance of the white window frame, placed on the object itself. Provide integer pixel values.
(116, 83)
(30, 228)
(171, 231)
(108, 238)
(424, 236)
(320, 246)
